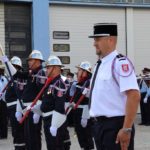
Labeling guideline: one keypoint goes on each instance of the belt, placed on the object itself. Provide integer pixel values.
(81, 106)
(104, 118)
(29, 103)
(11, 103)
(47, 114)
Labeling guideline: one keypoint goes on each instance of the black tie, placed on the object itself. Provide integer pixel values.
(93, 81)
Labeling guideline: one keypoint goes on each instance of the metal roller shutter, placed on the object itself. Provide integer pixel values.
(18, 30)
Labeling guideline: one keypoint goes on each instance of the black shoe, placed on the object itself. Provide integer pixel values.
(147, 124)
(2, 138)
(140, 124)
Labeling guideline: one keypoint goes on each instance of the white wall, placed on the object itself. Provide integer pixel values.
(79, 22)
(142, 38)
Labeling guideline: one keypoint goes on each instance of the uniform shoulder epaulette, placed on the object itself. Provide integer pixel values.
(121, 57)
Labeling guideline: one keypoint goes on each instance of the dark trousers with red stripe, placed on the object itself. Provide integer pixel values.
(105, 132)
(55, 143)
(17, 129)
(84, 135)
(32, 133)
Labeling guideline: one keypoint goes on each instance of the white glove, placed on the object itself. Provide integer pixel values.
(28, 107)
(84, 122)
(86, 92)
(4, 59)
(37, 109)
(145, 100)
(36, 118)
(18, 116)
(53, 131)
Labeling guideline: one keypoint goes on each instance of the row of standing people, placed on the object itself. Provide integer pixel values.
(144, 85)
(52, 106)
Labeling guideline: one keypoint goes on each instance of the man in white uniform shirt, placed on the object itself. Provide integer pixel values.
(114, 93)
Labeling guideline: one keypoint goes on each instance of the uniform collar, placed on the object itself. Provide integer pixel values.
(109, 56)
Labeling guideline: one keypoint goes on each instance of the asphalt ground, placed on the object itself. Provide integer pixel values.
(142, 138)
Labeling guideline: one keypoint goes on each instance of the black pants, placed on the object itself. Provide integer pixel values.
(17, 129)
(32, 133)
(54, 143)
(84, 135)
(66, 137)
(143, 108)
(147, 110)
(105, 133)
(70, 119)
(3, 120)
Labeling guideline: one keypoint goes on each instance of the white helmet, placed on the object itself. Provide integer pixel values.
(36, 54)
(85, 65)
(16, 61)
(54, 61)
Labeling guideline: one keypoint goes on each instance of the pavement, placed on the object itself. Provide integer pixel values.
(142, 139)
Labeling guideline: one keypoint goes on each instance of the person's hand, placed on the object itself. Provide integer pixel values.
(124, 139)
(4, 59)
(18, 116)
(145, 100)
(36, 118)
(86, 92)
(53, 131)
(84, 122)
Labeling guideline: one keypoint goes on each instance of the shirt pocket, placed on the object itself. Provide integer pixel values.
(105, 82)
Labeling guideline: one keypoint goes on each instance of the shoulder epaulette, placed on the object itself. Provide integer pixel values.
(121, 57)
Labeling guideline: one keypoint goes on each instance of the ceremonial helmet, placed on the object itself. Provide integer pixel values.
(36, 54)
(16, 61)
(85, 65)
(54, 61)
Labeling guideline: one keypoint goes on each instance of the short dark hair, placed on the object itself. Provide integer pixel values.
(70, 74)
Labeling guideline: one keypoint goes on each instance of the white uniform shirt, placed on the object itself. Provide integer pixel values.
(108, 98)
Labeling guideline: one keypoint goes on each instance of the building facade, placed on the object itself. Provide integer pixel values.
(61, 27)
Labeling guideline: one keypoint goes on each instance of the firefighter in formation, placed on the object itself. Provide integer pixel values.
(40, 95)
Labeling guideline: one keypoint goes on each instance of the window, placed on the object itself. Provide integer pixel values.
(65, 59)
(21, 48)
(61, 35)
(61, 47)
(17, 35)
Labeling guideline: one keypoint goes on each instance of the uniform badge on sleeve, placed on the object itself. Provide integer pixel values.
(125, 67)
(59, 93)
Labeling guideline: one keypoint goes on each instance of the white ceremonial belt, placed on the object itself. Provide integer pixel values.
(47, 114)
(23, 144)
(11, 103)
(29, 103)
(81, 106)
